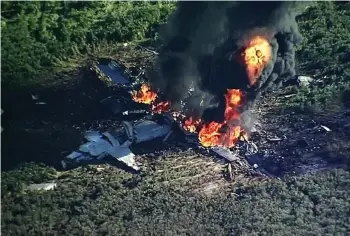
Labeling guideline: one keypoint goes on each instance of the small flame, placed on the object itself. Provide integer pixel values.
(161, 107)
(144, 95)
(191, 124)
(256, 56)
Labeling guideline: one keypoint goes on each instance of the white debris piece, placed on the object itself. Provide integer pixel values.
(43, 186)
(274, 139)
(304, 80)
(225, 153)
(35, 97)
(125, 155)
(326, 128)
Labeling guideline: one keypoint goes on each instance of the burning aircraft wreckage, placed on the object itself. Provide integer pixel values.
(216, 60)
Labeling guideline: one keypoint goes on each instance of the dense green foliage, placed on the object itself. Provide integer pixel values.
(37, 35)
(112, 202)
(324, 53)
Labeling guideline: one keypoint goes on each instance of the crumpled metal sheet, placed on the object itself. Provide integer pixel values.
(115, 144)
(98, 148)
(148, 130)
(95, 148)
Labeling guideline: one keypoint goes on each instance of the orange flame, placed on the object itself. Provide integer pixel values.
(256, 56)
(144, 95)
(161, 107)
(224, 134)
(191, 124)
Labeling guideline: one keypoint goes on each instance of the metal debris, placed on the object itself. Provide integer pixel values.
(126, 113)
(274, 139)
(326, 128)
(43, 186)
(35, 97)
(125, 155)
(114, 72)
(289, 95)
(129, 129)
(148, 130)
(229, 170)
(167, 136)
(225, 153)
(304, 80)
(101, 145)
(148, 50)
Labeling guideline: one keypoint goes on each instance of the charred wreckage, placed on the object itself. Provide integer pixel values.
(216, 59)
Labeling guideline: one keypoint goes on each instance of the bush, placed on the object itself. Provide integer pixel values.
(37, 34)
(324, 54)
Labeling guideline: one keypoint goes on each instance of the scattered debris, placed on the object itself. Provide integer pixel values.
(101, 145)
(229, 170)
(326, 128)
(112, 73)
(274, 139)
(35, 97)
(289, 95)
(148, 50)
(99, 169)
(304, 81)
(225, 153)
(43, 186)
(126, 113)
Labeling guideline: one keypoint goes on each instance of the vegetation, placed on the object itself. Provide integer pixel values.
(36, 36)
(104, 202)
(39, 38)
(324, 54)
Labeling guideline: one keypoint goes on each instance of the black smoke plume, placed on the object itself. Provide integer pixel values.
(195, 66)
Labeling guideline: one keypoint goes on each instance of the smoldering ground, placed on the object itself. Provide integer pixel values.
(200, 39)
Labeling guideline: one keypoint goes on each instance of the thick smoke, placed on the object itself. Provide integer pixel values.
(199, 42)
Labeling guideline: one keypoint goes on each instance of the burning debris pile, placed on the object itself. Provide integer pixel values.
(216, 60)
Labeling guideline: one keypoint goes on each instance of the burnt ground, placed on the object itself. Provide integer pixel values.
(48, 132)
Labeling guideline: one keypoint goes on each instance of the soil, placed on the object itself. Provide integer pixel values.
(48, 132)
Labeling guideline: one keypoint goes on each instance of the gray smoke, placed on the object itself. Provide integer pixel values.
(195, 64)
